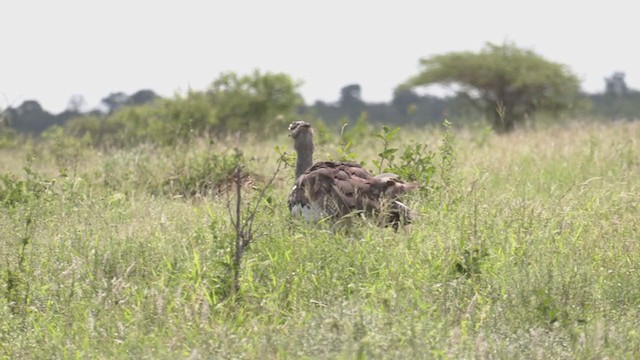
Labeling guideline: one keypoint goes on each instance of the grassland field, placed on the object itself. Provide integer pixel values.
(525, 246)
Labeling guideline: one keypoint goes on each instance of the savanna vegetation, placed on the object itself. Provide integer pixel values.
(501, 84)
(525, 247)
(159, 228)
(504, 82)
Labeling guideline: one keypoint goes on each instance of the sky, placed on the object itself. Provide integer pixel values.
(53, 50)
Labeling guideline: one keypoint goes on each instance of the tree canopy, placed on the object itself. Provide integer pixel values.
(503, 82)
(507, 83)
(262, 103)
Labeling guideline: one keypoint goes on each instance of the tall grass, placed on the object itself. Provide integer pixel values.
(526, 247)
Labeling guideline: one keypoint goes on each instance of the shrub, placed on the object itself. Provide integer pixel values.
(201, 175)
(258, 103)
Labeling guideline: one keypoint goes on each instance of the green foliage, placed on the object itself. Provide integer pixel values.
(351, 134)
(8, 135)
(503, 76)
(415, 163)
(9, 138)
(447, 155)
(346, 153)
(164, 122)
(116, 100)
(470, 262)
(388, 153)
(613, 106)
(184, 117)
(30, 118)
(20, 200)
(355, 131)
(66, 150)
(322, 133)
(174, 173)
(17, 292)
(261, 104)
(536, 258)
(14, 191)
(203, 174)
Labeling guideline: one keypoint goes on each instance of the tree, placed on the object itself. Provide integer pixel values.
(30, 118)
(351, 100)
(404, 100)
(142, 97)
(117, 100)
(351, 93)
(4, 120)
(615, 85)
(258, 103)
(7, 134)
(617, 101)
(505, 82)
(114, 101)
(76, 104)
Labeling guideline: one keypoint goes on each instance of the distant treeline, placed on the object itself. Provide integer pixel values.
(406, 107)
(31, 118)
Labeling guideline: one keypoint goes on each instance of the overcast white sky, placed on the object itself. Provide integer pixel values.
(52, 50)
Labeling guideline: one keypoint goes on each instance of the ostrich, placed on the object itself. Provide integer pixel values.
(331, 189)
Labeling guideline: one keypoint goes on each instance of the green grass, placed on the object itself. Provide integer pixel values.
(527, 248)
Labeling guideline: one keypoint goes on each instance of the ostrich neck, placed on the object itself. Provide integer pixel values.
(305, 159)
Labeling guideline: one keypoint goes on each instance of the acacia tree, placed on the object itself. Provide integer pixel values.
(503, 81)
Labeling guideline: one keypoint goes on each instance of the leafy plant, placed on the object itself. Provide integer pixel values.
(14, 192)
(353, 132)
(17, 288)
(67, 150)
(415, 162)
(387, 153)
(345, 145)
(322, 133)
(470, 262)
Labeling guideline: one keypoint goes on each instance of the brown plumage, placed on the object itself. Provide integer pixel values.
(330, 189)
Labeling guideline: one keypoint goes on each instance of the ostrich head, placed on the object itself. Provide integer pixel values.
(302, 135)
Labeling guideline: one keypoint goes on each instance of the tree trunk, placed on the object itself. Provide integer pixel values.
(502, 119)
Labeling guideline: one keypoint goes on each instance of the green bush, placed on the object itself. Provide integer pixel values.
(259, 104)
(164, 122)
(14, 191)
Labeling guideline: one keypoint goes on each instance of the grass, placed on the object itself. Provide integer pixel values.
(526, 248)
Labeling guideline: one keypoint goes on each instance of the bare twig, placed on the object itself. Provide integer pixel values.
(253, 212)
(240, 240)
(244, 228)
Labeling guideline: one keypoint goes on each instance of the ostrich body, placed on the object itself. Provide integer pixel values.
(331, 189)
